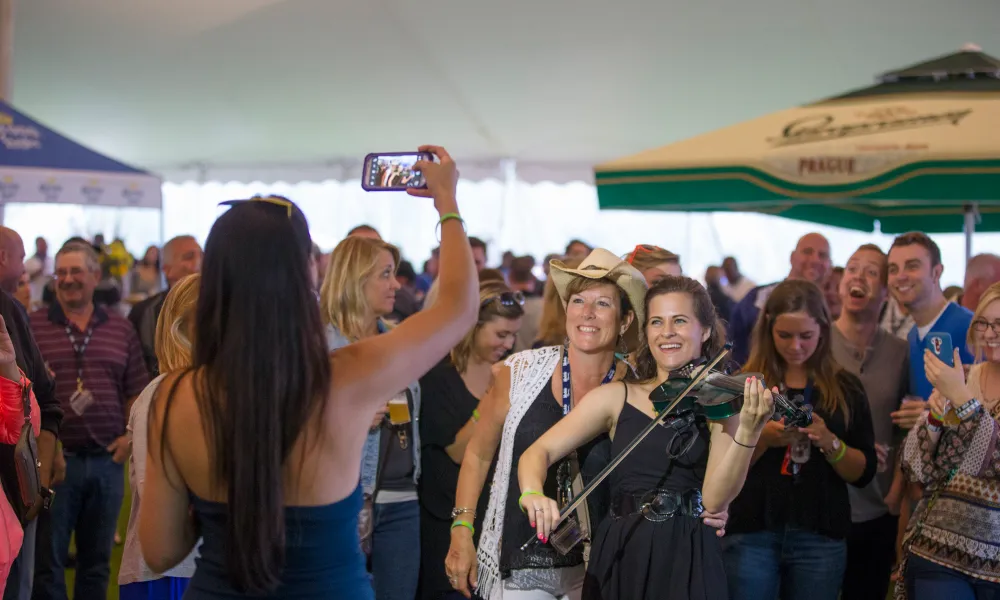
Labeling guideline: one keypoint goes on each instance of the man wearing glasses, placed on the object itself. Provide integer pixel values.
(95, 357)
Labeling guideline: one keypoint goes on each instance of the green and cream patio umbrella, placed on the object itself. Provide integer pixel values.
(920, 150)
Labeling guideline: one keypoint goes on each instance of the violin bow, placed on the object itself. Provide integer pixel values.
(586, 491)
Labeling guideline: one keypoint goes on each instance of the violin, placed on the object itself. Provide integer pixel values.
(719, 395)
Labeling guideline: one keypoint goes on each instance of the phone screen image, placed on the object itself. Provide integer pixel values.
(393, 171)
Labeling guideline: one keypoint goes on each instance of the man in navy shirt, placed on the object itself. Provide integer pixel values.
(810, 261)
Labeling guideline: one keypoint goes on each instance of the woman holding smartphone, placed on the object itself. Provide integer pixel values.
(258, 446)
(788, 528)
(953, 538)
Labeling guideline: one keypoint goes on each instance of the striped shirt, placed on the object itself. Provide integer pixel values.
(113, 371)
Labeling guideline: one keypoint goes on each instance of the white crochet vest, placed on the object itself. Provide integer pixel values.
(530, 372)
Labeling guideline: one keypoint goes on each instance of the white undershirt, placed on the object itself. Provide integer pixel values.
(923, 331)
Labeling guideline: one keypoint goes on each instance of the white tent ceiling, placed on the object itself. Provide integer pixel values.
(557, 85)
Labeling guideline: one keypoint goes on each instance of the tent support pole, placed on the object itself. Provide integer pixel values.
(6, 47)
(6, 55)
(971, 218)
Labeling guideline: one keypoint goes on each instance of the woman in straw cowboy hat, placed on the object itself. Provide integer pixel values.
(653, 545)
(532, 391)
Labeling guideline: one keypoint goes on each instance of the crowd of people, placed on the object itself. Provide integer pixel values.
(298, 424)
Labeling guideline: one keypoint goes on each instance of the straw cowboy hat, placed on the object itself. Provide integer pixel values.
(602, 264)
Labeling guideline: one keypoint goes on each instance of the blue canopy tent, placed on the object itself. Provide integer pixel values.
(38, 165)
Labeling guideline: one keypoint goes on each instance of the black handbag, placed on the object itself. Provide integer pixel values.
(19, 469)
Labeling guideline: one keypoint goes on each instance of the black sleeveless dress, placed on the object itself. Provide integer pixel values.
(632, 558)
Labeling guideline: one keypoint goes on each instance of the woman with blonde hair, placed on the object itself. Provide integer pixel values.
(174, 332)
(953, 539)
(358, 292)
(452, 392)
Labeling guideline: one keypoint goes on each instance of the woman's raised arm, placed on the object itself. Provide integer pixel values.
(376, 368)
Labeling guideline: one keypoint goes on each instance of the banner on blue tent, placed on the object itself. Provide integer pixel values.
(83, 188)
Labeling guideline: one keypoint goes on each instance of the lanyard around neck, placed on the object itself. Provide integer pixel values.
(567, 383)
(79, 349)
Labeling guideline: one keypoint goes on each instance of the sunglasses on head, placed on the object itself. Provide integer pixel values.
(273, 200)
(642, 248)
(505, 299)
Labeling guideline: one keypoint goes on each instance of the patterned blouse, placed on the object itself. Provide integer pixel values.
(961, 529)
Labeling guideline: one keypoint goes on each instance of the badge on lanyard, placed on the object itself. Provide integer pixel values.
(81, 399)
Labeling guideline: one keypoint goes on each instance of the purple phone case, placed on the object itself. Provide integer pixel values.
(940, 344)
(366, 170)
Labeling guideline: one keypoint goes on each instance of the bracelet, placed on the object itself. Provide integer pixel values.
(465, 524)
(840, 455)
(735, 441)
(934, 420)
(457, 512)
(447, 217)
(968, 409)
(933, 428)
(475, 415)
(528, 493)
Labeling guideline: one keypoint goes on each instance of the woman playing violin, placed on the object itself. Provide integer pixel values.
(652, 545)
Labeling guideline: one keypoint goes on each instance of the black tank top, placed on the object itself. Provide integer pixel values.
(543, 413)
(649, 467)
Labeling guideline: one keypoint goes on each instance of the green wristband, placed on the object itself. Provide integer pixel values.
(465, 524)
(448, 217)
(528, 493)
(840, 455)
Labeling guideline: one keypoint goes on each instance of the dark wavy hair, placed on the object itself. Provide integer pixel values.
(704, 311)
(263, 372)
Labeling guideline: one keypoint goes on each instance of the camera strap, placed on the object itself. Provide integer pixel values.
(788, 466)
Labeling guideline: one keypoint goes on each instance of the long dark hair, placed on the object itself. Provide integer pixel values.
(262, 370)
(704, 311)
(791, 296)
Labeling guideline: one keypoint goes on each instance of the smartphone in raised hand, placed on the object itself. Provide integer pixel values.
(939, 343)
(393, 171)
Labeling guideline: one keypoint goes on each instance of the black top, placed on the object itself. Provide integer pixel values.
(543, 413)
(816, 498)
(649, 466)
(29, 360)
(143, 317)
(676, 558)
(397, 455)
(446, 407)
